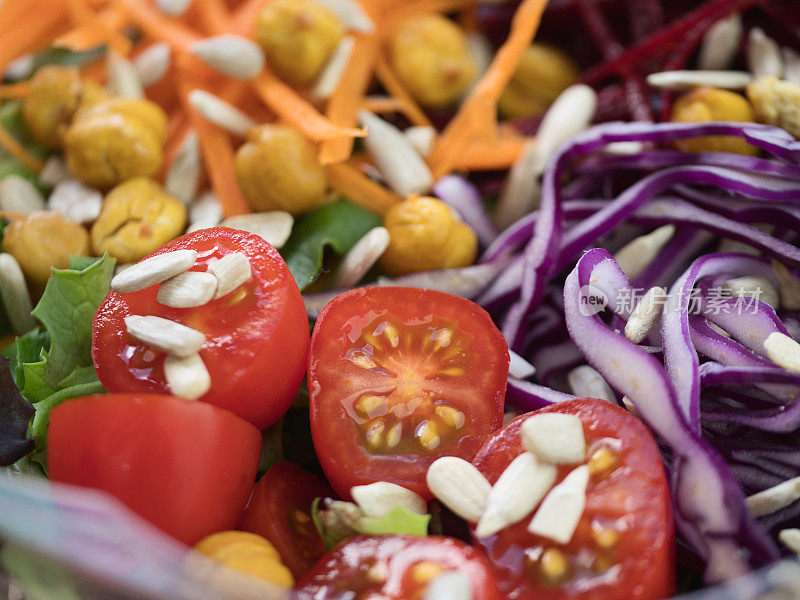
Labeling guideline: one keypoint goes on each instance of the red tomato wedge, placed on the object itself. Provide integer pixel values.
(280, 510)
(623, 547)
(399, 377)
(395, 567)
(184, 466)
(257, 335)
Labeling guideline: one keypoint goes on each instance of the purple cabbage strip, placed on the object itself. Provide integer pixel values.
(747, 320)
(782, 419)
(711, 513)
(528, 396)
(463, 197)
(674, 258)
(712, 373)
(554, 359)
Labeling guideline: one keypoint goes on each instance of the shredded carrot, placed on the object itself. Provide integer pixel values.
(500, 153)
(244, 19)
(14, 90)
(10, 144)
(84, 17)
(88, 36)
(158, 26)
(381, 104)
(215, 16)
(396, 88)
(357, 187)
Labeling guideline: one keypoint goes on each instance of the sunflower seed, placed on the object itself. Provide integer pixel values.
(783, 351)
(231, 271)
(54, 172)
(684, 80)
(153, 63)
(18, 194)
(275, 226)
(183, 177)
(153, 270)
(221, 113)
(174, 8)
(759, 288)
(332, 73)
(646, 315)
(558, 516)
(585, 382)
(791, 539)
(518, 491)
(361, 257)
(377, 499)
(19, 68)
(192, 288)
(519, 367)
(775, 498)
(482, 53)
(791, 60)
(720, 44)
(450, 585)
(459, 486)
(788, 286)
(554, 438)
(204, 212)
(422, 138)
(399, 163)
(763, 55)
(77, 202)
(231, 55)
(187, 377)
(123, 77)
(634, 257)
(350, 13)
(165, 335)
(15, 296)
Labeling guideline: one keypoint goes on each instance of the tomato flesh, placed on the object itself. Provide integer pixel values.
(257, 335)
(399, 377)
(280, 510)
(623, 546)
(394, 568)
(184, 466)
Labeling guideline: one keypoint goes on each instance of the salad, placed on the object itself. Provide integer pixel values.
(433, 299)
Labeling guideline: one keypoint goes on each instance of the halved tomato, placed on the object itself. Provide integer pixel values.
(257, 335)
(395, 567)
(399, 377)
(280, 510)
(623, 547)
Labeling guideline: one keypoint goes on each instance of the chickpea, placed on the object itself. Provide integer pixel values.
(138, 216)
(542, 74)
(426, 234)
(711, 104)
(44, 240)
(430, 55)
(248, 553)
(298, 37)
(54, 96)
(114, 140)
(776, 102)
(278, 170)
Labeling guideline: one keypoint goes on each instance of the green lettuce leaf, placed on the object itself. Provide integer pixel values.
(65, 57)
(398, 521)
(338, 226)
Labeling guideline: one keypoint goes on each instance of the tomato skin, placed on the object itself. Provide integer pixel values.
(256, 349)
(478, 391)
(186, 467)
(344, 568)
(284, 489)
(635, 493)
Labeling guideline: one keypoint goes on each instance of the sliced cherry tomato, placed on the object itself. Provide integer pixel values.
(623, 547)
(184, 466)
(399, 377)
(395, 567)
(280, 510)
(257, 335)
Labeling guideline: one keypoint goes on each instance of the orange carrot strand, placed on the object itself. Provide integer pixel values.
(357, 187)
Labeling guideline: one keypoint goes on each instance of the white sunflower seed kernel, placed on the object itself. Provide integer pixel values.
(18, 194)
(165, 335)
(554, 438)
(54, 172)
(221, 113)
(783, 351)
(361, 257)
(646, 315)
(775, 498)
(459, 486)
(187, 377)
(720, 44)
(331, 74)
(791, 539)
(763, 55)
(153, 63)
(231, 271)
(275, 226)
(377, 499)
(450, 585)
(759, 288)
(183, 176)
(123, 77)
(635, 256)
(204, 212)
(350, 13)
(518, 491)
(788, 286)
(519, 367)
(231, 55)
(685, 80)
(76, 201)
(19, 68)
(192, 288)
(586, 382)
(558, 516)
(15, 296)
(791, 60)
(153, 270)
(421, 137)
(174, 8)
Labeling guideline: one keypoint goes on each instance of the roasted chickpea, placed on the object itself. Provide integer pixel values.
(542, 74)
(298, 37)
(426, 234)
(712, 104)
(44, 240)
(776, 102)
(114, 140)
(248, 553)
(430, 55)
(54, 96)
(138, 216)
(278, 169)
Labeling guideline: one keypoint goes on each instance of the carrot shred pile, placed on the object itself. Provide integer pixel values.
(472, 139)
